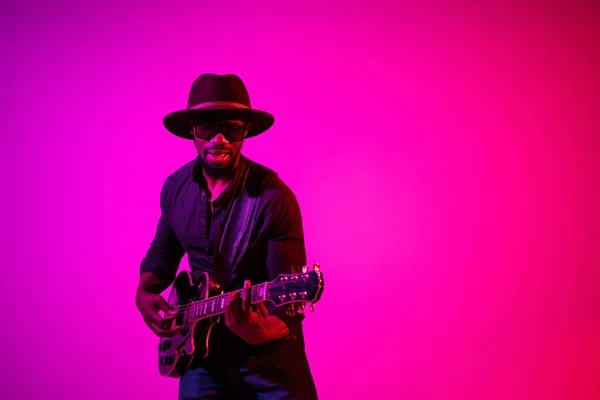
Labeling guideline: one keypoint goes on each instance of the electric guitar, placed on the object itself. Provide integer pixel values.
(198, 309)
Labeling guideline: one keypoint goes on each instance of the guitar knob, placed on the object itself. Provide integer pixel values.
(305, 277)
(303, 295)
(284, 279)
(294, 278)
(282, 297)
(293, 296)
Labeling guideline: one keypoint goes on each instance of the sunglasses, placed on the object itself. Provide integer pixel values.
(234, 131)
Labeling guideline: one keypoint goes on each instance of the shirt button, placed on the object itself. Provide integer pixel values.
(203, 221)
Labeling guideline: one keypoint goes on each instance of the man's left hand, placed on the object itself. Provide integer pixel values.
(252, 324)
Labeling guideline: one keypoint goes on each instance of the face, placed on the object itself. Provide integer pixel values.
(219, 145)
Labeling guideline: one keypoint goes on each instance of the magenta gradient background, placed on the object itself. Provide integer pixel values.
(445, 159)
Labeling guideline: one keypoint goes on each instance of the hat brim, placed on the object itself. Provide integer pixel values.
(180, 123)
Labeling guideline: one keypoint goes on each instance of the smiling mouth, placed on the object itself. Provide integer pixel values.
(219, 155)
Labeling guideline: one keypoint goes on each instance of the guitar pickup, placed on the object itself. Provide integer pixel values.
(167, 360)
(164, 345)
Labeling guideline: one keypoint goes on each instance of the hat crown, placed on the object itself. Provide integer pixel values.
(221, 97)
(208, 88)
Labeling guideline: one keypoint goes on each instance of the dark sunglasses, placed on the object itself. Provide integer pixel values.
(233, 132)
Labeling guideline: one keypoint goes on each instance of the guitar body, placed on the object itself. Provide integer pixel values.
(199, 310)
(176, 353)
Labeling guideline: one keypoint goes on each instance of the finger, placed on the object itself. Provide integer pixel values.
(162, 304)
(232, 300)
(246, 294)
(168, 320)
(154, 318)
(160, 332)
(172, 312)
(231, 318)
(166, 324)
(154, 328)
(262, 310)
(233, 311)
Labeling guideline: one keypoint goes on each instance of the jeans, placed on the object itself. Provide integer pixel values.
(276, 371)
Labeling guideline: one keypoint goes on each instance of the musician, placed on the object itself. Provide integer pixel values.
(238, 221)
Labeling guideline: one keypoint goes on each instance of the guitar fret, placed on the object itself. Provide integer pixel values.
(263, 292)
(259, 293)
(216, 305)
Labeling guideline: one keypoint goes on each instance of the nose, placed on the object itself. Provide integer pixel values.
(219, 139)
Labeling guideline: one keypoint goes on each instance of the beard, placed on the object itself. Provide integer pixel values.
(219, 170)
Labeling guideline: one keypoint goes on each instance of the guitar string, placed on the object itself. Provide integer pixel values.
(219, 297)
(270, 285)
(197, 302)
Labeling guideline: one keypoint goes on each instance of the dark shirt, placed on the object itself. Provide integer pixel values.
(188, 225)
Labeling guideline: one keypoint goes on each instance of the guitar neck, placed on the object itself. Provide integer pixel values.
(216, 305)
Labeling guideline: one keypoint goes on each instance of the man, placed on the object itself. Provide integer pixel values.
(239, 222)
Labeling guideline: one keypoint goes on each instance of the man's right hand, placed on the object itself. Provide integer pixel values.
(149, 305)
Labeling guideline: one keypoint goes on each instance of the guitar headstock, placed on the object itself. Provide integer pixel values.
(304, 285)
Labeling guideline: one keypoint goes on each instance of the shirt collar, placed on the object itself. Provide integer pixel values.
(222, 200)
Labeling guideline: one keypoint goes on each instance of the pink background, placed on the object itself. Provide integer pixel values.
(445, 158)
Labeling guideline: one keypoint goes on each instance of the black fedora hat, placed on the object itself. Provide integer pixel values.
(215, 97)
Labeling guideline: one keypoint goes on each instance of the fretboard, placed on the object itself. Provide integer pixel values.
(216, 305)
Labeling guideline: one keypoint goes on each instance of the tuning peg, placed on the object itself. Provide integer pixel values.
(304, 269)
(317, 267)
(291, 311)
(312, 307)
(301, 309)
(296, 270)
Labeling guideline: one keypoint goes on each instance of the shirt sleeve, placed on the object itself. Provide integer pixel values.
(165, 252)
(286, 247)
